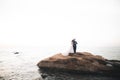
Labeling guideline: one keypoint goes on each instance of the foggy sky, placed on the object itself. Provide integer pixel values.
(56, 22)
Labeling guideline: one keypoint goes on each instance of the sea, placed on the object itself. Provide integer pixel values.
(23, 64)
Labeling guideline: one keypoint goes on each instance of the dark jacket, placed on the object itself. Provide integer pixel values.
(74, 42)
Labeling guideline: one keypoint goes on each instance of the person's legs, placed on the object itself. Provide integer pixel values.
(74, 48)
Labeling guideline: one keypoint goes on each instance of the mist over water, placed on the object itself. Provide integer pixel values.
(107, 52)
(23, 65)
(54, 22)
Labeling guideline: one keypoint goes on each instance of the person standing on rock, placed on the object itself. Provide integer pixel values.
(74, 45)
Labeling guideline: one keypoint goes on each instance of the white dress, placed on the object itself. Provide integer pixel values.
(70, 50)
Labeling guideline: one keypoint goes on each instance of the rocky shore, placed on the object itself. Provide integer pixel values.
(80, 63)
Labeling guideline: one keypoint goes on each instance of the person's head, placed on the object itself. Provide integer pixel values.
(74, 39)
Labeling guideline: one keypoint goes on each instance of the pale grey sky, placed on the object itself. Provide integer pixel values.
(56, 22)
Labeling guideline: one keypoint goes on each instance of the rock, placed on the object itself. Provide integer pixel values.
(44, 76)
(81, 62)
(2, 78)
(109, 65)
(16, 53)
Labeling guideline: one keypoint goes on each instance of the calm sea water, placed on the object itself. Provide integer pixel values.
(22, 66)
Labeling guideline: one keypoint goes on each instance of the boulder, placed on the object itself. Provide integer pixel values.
(80, 62)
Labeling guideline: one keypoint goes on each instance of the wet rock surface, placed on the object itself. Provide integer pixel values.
(53, 75)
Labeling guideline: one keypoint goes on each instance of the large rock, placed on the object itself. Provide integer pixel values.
(80, 62)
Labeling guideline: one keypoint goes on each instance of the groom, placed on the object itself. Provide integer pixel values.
(74, 44)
